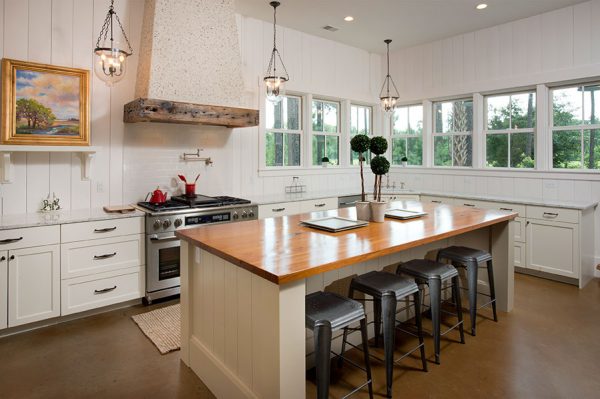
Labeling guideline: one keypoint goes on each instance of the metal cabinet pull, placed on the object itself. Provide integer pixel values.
(12, 257)
(106, 230)
(551, 215)
(469, 205)
(505, 209)
(10, 240)
(348, 203)
(278, 209)
(436, 201)
(106, 256)
(105, 290)
(156, 239)
(2, 259)
(319, 205)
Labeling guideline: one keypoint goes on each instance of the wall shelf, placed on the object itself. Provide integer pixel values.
(86, 154)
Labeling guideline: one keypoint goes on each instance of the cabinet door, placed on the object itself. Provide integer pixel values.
(553, 247)
(519, 229)
(33, 284)
(3, 289)
(519, 253)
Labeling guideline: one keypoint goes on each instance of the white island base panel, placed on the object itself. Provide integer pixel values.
(245, 337)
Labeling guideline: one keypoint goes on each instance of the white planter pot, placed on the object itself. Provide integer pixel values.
(324, 164)
(363, 210)
(404, 163)
(378, 211)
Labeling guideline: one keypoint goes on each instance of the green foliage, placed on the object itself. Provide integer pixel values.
(360, 143)
(380, 165)
(379, 145)
(37, 115)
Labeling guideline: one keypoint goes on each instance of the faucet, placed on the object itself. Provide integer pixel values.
(402, 185)
(387, 181)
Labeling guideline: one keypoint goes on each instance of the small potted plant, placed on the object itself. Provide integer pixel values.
(379, 166)
(360, 144)
(404, 161)
(324, 162)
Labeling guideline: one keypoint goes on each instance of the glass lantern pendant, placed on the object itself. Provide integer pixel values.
(111, 60)
(389, 93)
(274, 78)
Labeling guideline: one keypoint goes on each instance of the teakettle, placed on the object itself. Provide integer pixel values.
(158, 197)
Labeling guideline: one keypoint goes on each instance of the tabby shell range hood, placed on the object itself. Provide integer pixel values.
(190, 65)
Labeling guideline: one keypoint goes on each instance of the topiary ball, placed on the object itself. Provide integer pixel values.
(360, 143)
(380, 165)
(379, 145)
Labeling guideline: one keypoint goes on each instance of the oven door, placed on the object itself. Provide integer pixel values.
(162, 261)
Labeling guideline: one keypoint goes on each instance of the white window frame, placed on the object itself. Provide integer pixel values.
(313, 133)
(265, 130)
(350, 135)
(435, 134)
(580, 128)
(407, 136)
(509, 131)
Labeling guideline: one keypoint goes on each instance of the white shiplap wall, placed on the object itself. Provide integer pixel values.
(134, 159)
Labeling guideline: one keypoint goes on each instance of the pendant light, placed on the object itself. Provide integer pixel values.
(111, 60)
(274, 78)
(389, 93)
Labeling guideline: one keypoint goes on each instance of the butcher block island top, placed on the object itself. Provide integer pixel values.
(283, 250)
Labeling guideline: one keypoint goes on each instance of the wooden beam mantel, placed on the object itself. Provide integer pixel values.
(152, 110)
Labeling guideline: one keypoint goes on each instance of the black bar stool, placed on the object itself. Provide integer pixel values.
(387, 289)
(471, 258)
(327, 312)
(432, 273)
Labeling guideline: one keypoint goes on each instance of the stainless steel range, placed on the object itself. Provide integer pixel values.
(181, 212)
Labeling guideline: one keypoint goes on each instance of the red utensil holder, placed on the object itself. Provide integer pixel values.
(190, 190)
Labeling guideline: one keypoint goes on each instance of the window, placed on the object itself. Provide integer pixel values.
(407, 131)
(283, 136)
(360, 123)
(575, 127)
(326, 131)
(452, 133)
(510, 130)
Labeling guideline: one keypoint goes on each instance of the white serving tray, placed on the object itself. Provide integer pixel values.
(334, 224)
(404, 214)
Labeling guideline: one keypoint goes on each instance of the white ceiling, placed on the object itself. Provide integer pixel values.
(407, 22)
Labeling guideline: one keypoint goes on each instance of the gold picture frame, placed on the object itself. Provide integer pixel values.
(44, 104)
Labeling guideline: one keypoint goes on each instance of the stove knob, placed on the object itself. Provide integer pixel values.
(178, 222)
(166, 224)
(244, 215)
(157, 224)
(251, 213)
(235, 216)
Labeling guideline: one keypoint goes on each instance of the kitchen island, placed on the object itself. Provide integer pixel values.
(243, 285)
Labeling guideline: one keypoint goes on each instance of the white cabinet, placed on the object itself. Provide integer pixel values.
(519, 252)
(101, 229)
(278, 209)
(436, 199)
(553, 247)
(323, 204)
(33, 284)
(3, 289)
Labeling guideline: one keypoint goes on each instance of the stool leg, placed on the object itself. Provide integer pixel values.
(472, 281)
(435, 292)
(322, 357)
(345, 337)
(417, 299)
(365, 344)
(457, 301)
(490, 270)
(377, 319)
(388, 305)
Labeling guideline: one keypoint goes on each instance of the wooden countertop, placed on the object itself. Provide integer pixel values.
(281, 250)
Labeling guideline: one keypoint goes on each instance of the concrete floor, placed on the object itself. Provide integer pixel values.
(547, 348)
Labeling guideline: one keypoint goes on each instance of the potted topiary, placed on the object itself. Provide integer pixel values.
(324, 162)
(360, 144)
(404, 161)
(379, 166)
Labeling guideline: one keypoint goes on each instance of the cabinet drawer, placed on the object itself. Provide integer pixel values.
(436, 199)
(101, 229)
(323, 204)
(278, 209)
(470, 203)
(553, 214)
(95, 256)
(502, 206)
(85, 293)
(29, 237)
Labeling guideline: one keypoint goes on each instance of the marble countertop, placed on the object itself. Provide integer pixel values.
(61, 217)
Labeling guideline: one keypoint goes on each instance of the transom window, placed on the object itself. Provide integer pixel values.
(510, 130)
(283, 135)
(325, 131)
(576, 127)
(452, 133)
(360, 123)
(407, 135)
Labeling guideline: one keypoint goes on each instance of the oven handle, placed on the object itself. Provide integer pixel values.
(156, 239)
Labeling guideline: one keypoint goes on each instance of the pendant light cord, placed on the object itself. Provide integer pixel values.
(388, 69)
(275, 38)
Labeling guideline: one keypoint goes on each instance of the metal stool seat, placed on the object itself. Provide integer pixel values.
(433, 274)
(471, 258)
(387, 289)
(327, 312)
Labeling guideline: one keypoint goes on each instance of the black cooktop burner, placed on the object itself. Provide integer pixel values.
(167, 206)
(179, 202)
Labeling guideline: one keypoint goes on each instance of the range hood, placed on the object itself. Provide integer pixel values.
(190, 67)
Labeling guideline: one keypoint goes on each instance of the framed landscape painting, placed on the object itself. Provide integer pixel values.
(44, 104)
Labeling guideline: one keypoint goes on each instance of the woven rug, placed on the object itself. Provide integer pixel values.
(162, 326)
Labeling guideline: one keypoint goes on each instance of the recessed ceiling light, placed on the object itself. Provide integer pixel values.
(481, 6)
(349, 18)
